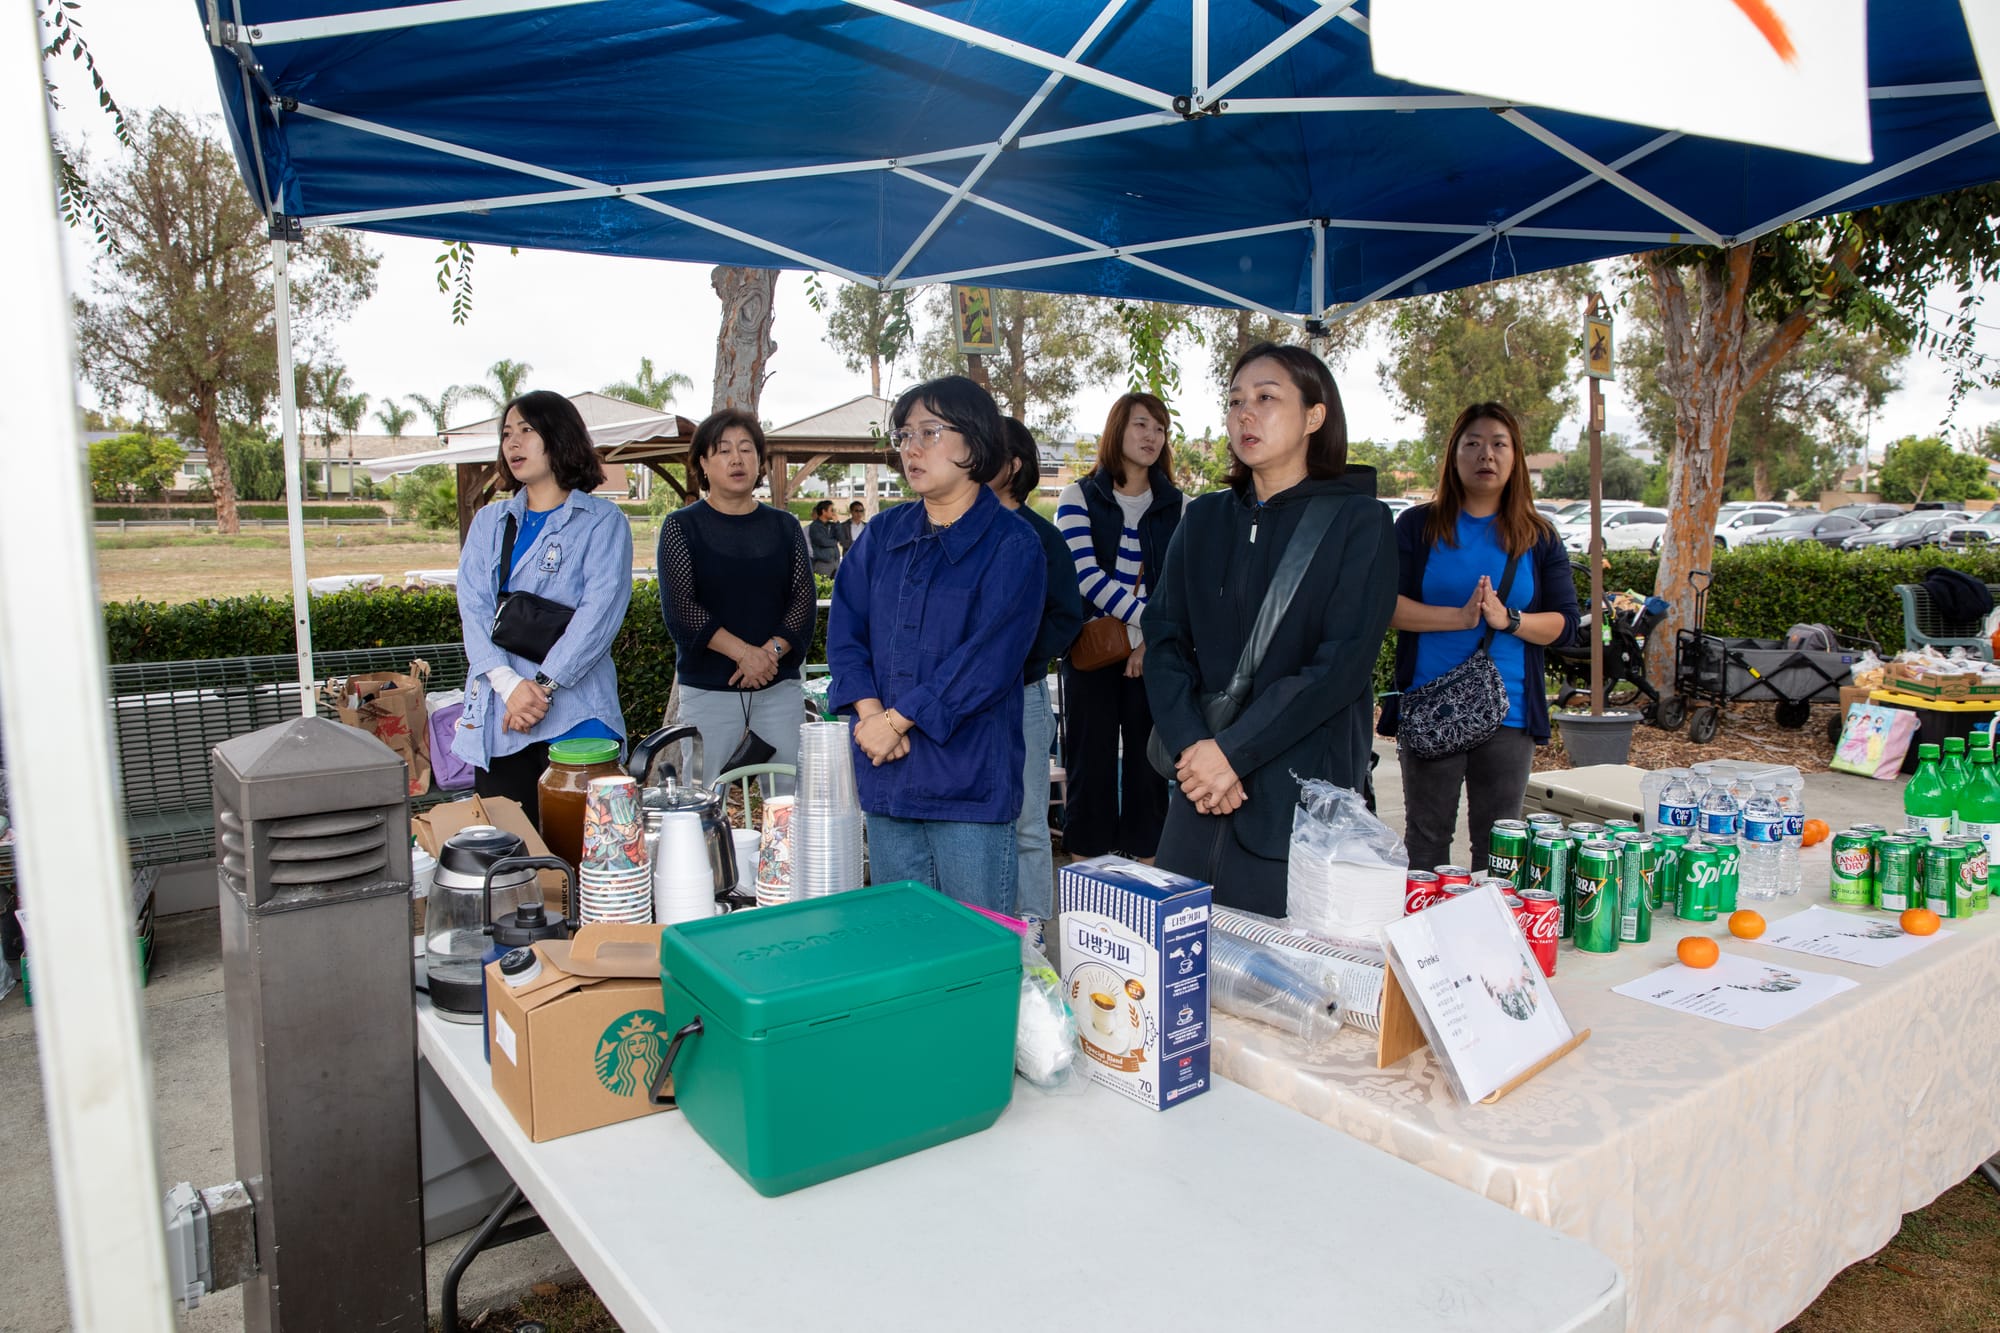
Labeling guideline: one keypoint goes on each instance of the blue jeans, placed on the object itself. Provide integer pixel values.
(1035, 892)
(973, 863)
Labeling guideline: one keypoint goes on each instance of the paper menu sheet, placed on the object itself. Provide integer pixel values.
(1476, 990)
(1741, 992)
(1848, 937)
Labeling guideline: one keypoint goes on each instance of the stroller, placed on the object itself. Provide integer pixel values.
(1625, 681)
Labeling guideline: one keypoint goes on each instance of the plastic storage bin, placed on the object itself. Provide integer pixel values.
(839, 1032)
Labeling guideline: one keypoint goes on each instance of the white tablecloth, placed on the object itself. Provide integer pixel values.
(1730, 1174)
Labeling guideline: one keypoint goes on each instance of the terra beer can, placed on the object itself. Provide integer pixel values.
(1420, 890)
(1701, 871)
(1541, 922)
(1548, 868)
(1594, 896)
(1639, 868)
(1614, 827)
(1852, 879)
(1898, 873)
(1507, 850)
(1944, 876)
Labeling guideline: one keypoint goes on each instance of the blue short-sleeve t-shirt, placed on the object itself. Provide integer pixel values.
(1450, 575)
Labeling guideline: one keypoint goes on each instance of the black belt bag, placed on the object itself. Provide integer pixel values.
(524, 623)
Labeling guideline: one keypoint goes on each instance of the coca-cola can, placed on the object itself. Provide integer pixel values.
(1454, 874)
(1541, 922)
(1454, 890)
(1420, 889)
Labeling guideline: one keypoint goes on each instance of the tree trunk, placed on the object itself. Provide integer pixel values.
(209, 428)
(743, 346)
(1760, 479)
(975, 370)
(875, 374)
(871, 487)
(1017, 362)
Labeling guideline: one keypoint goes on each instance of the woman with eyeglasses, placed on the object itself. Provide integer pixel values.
(934, 612)
(1453, 555)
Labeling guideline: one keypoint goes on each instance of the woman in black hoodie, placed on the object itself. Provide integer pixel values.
(1310, 705)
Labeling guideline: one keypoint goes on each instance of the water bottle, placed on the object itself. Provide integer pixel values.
(1721, 816)
(1792, 800)
(1675, 806)
(1763, 843)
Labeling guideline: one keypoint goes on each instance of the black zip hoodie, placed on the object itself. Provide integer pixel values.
(1312, 701)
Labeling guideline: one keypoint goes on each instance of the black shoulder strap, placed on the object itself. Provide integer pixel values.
(1506, 584)
(1285, 580)
(507, 553)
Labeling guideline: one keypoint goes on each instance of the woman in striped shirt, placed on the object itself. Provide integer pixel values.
(1117, 522)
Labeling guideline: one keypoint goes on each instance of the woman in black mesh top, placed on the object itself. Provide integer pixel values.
(736, 589)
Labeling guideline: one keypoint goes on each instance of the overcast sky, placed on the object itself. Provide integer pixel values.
(582, 321)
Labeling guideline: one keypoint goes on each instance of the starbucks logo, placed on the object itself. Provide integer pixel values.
(630, 1052)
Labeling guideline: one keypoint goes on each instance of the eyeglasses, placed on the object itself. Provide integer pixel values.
(925, 437)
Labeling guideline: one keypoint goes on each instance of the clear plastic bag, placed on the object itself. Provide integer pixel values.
(1347, 869)
(1045, 1042)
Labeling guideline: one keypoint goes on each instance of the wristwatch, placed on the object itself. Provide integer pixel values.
(1513, 621)
(549, 687)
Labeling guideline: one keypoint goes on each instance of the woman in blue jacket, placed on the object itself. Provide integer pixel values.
(934, 611)
(570, 547)
(1452, 561)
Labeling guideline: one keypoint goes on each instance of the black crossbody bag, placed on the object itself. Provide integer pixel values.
(525, 623)
(1220, 709)
(1460, 710)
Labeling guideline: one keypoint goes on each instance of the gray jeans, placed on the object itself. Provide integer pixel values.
(775, 713)
(1494, 776)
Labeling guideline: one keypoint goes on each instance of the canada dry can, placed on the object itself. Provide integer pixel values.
(1701, 869)
(1507, 850)
(1852, 879)
(1420, 890)
(1548, 868)
(1972, 879)
(1898, 873)
(1594, 896)
(1667, 883)
(1944, 871)
(1639, 866)
(1541, 922)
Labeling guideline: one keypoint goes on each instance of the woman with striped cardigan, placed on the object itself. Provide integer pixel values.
(1117, 522)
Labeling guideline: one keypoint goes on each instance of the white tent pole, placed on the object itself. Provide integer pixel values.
(69, 852)
(288, 417)
(1609, 175)
(1198, 50)
(1317, 326)
(1291, 37)
(1825, 201)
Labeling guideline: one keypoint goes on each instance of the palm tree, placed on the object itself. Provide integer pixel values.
(348, 410)
(440, 408)
(504, 381)
(394, 417)
(649, 390)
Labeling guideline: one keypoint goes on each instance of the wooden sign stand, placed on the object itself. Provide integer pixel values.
(1402, 1034)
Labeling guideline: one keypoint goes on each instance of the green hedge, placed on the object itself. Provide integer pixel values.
(182, 513)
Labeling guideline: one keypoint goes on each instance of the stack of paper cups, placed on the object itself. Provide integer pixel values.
(774, 853)
(615, 881)
(683, 881)
(826, 825)
(746, 842)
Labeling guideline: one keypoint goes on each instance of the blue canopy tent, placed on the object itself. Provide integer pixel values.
(1227, 152)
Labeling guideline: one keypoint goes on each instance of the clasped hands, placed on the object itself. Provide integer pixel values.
(1485, 604)
(526, 706)
(1207, 780)
(883, 737)
(756, 667)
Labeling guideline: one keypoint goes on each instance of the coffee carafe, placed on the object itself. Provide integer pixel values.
(459, 909)
(652, 762)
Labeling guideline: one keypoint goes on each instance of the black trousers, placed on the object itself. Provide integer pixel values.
(1114, 803)
(1494, 777)
(517, 777)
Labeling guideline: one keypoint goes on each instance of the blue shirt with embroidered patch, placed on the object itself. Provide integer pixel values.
(1449, 578)
(529, 530)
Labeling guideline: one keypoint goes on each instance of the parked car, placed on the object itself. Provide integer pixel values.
(1826, 529)
(1969, 536)
(1633, 529)
(1871, 514)
(1396, 504)
(1733, 525)
(1552, 509)
(1903, 532)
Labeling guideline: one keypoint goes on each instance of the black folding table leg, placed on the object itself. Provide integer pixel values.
(491, 1233)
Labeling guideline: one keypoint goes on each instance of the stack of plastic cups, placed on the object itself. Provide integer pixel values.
(826, 823)
(774, 853)
(615, 880)
(683, 880)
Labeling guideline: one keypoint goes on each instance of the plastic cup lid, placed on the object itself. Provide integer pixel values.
(584, 750)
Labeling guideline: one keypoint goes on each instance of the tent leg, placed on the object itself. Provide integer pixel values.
(288, 414)
(70, 855)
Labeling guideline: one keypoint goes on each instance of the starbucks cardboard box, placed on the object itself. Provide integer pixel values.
(577, 1046)
(435, 826)
(1135, 972)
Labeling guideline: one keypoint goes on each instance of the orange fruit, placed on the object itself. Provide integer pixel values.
(1919, 921)
(1698, 951)
(1815, 831)
(1746, 924)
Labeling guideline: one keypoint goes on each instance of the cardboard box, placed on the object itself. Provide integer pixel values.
(435, 826)
(578, 1046)
(1134, 961)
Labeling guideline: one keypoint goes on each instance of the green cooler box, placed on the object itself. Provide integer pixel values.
(817, 1038)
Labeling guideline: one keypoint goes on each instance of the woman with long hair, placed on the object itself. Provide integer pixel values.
(1118, 522)
(1453, 585)
(1237, 765)
(568, 546)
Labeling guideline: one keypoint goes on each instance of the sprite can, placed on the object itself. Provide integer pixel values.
(1548, 868)
(1944, 876)
(1852, 880)
(1701, 868)
(1667, 883)
(1594, 894)
(1614, 827)
(1637, 886)
(1507, 851)
(1899, 873)
(1728, 857)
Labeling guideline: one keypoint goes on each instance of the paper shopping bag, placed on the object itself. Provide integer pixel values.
(389, 705)
(1874, 740)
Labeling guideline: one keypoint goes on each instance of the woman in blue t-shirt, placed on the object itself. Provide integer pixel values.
(1453, 555)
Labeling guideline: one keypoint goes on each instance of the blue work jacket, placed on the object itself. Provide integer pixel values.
(583, 559)
(937, 625)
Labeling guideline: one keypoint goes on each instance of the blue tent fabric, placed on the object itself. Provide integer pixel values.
(541, 116)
